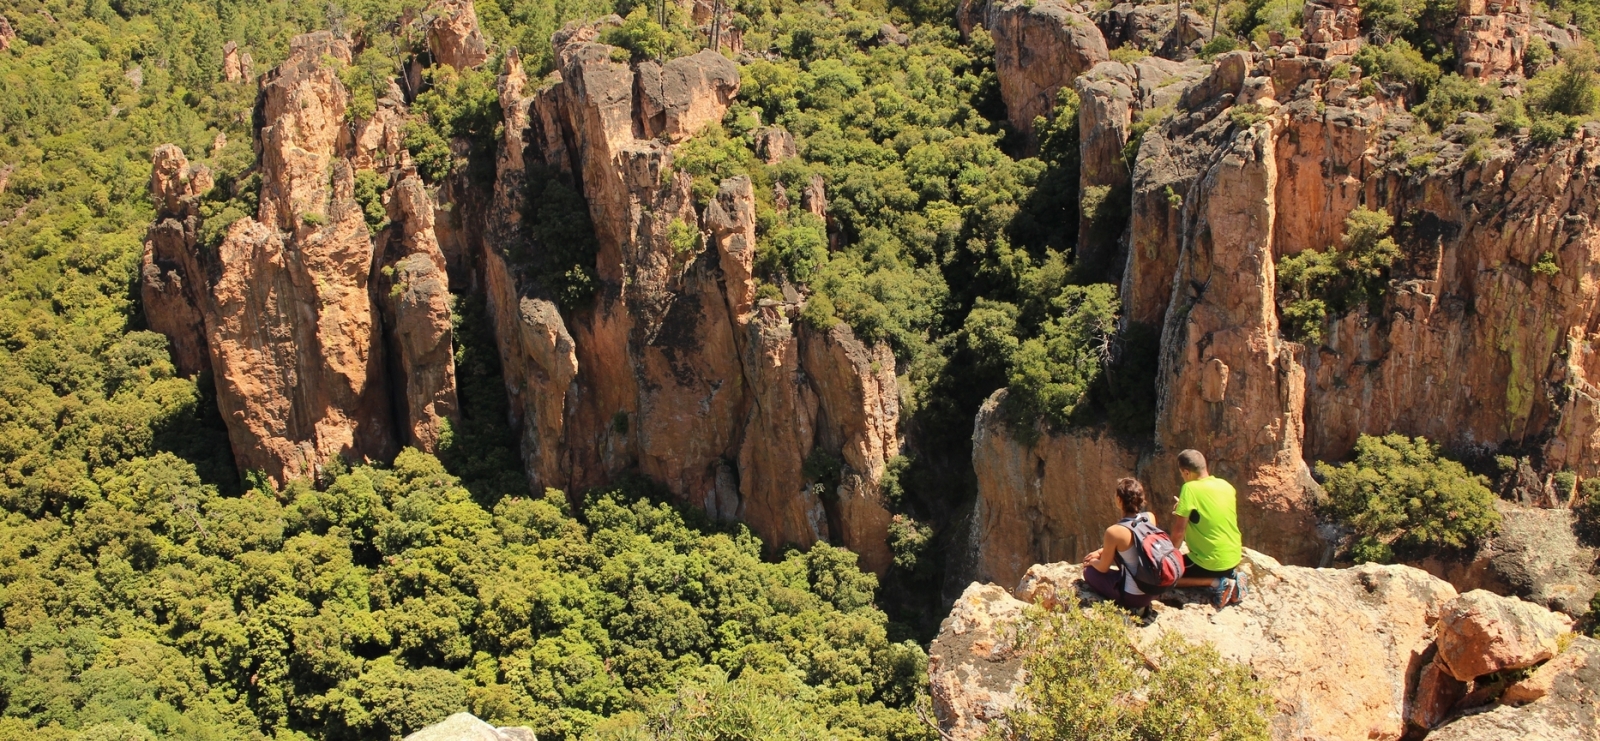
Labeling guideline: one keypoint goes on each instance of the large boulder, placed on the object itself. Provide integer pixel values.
(1483, 633)
(680, 97)
(1559, 702)
(467, 727)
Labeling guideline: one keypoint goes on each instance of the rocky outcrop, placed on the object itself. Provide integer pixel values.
(467, 727)
(1558, 702)
(1380, 617)
(236, 63)
(974, 669)
(287, 310)
(681, 97)
(1483, 633)
(1401, 635)
(1159, 29)
(453, 34)
(418, 305)
(775, 144)
(1490, 38)
(1332, 28)
(676, 371)
(1535, 555)
(1040, 47)
(7, 34)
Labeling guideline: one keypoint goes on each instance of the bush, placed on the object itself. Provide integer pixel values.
(1566, 89)
(645, 38)
(1398, 61)
(1246, 115)
(1586, 512)
(818, 312)
(1454, 95)
(1083, 668)
(455, 103)
(1269, 17)
(1312, 284)
(1220, 44)
(1402, 498)
(1549, 129)
(1386, 21)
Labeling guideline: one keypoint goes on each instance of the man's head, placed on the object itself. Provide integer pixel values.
(1192, 465)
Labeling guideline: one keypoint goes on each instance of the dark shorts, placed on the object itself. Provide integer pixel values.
(1108, 584)
(1192, 570)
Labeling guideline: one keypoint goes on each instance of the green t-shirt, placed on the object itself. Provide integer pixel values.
(1213, 534)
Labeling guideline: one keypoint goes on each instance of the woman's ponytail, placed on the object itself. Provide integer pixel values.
(1131, 493)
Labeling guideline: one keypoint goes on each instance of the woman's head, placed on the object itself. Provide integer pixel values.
(1131, 494)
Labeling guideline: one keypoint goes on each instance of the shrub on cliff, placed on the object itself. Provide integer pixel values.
(1586, 512)
(1401, 497)
(1088, 681)
(1314, 284)
(1398, 61)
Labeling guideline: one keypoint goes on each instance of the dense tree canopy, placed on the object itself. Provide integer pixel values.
(390, 599)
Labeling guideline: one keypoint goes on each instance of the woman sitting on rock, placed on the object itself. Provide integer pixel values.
(1119, 585)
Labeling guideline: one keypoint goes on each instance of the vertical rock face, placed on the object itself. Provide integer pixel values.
(172, 300)
(1112, 95)
(1049, 501)
(7, 34)
(1490, 38)
(675, 370)
(1040, 47)
(1229, 385)
(289, 315)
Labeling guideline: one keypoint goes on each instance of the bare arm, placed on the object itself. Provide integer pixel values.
(1180, 525)
(1107, 555)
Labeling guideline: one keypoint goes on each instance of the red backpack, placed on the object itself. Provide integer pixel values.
(1160, 564)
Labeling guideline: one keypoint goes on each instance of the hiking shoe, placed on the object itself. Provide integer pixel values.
(1241, 588)
(1225, 592)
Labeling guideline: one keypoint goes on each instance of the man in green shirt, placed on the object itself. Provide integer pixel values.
(1207, 521)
